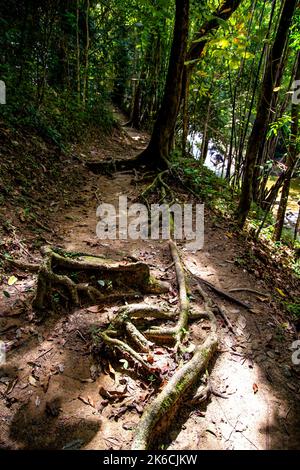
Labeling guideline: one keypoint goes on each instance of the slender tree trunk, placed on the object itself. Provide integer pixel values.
(77, 52)
(268, 146)
(194, 54)
(270, 81)
(185, 112)
(291, 163)
(158, 150)
(205, 137)
(86, 54)
(297, 226)
(136, 110)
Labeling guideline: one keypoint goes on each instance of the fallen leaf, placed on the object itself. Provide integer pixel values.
(280, 292)
(129, 426)
(32, 381)
(73, 445)
(173, 300)
(11, 385)
(93, 309)
(125, 363)
(111, 369)
(263, 299)
(87, 401)
(242, 322)
(12, 280)
(150, 359)
(113, 395)
(229, 235)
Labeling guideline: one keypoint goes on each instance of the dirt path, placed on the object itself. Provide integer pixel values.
(49, 387)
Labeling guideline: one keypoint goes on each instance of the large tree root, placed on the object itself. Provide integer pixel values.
(174, 391)
(112, 166)
(80, 277)
(124, 328)
(167, 402)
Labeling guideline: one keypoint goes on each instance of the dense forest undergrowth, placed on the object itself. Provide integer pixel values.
(130, 344)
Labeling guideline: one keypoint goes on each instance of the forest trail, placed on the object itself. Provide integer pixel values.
(50, 385)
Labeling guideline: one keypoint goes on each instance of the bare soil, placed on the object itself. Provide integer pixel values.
(53, 387)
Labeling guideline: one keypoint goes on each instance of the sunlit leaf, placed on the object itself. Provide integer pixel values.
(12, 280)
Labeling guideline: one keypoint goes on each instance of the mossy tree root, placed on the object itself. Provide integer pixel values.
(173, 392)
(179, 331)
(185, 377)
(72, 273)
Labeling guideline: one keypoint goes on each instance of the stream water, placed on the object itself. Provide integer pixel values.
(215, 162)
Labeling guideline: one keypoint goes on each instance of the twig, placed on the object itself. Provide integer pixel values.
(44, 353)
(81, 336)
(223, 314)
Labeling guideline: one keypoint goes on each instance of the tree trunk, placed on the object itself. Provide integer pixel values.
(77, 51)
(291, 163)
(86, 54)
(158, 151)
(205, 136)
(195, 51)
(185, 113)
(270, 81)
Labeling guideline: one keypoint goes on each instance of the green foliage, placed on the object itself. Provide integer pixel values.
(211, 189)
(294, 309)
(60, 119)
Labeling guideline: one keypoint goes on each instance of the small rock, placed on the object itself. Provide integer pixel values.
(271, 354)
(286, 371)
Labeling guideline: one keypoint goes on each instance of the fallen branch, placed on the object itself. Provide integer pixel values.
(220, 292)
(246, 289)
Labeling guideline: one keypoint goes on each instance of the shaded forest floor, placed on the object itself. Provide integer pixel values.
(54, 388)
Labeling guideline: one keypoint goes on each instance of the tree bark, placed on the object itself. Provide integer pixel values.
(77, 51)
(270, 81)
(86, 54)
(205, 136)
(158, 151)
(291, 163)
(195, 51)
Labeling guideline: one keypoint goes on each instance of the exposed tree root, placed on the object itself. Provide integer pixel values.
(80, 276)
(173, 392)
(179, 331)
(182, 381)
(83, 277)
(34, 268)
(156, 182)
(112, 166)
(123, 326)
